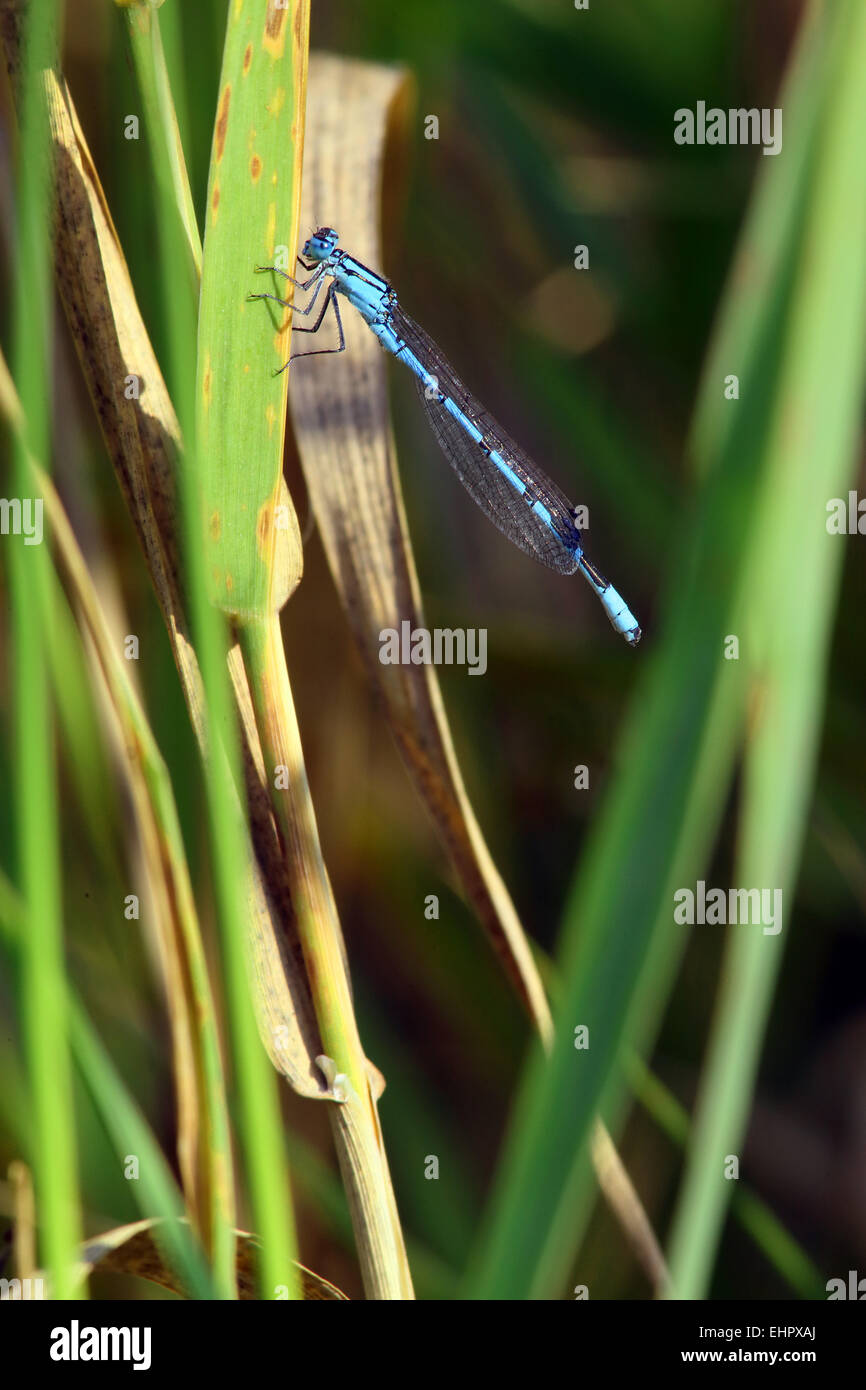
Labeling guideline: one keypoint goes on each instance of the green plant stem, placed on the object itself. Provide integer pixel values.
(41, 947)
(258, 1095)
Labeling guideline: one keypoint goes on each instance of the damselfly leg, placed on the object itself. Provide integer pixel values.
(290, 303)
(330, 298)
(318, 271)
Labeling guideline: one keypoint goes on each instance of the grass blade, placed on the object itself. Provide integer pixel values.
(156, 1191)
(41, 946)
(254, 561)
(785, 613)
(620, 943)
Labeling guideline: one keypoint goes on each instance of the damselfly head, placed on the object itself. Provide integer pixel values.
(319, 246)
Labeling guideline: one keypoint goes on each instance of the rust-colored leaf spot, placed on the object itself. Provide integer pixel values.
(273, 39)
(215, 526)
(248, 58)
(255, 168)
(205, 381)
(222, 122)
(230, 583)
(276, 18)
(215, 200)
(265, 529)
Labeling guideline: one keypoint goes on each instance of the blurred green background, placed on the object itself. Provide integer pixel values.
(555, 129)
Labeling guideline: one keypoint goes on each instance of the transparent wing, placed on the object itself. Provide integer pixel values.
(508, 509)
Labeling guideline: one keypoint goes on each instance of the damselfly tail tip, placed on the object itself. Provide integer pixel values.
(619, 614)
(621, 618)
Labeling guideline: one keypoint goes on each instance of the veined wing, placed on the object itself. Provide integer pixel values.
(507, 508)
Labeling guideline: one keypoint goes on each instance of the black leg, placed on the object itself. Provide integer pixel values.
(314, 327)
(332, 299)
(314, 296)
